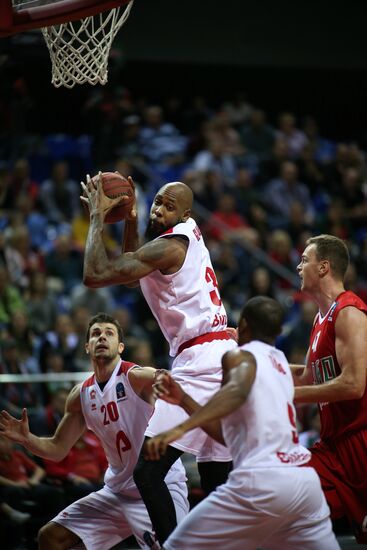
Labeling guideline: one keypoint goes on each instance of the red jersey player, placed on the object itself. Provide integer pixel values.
(335, 378)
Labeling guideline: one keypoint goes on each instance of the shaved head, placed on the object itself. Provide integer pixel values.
(183, 193)
(171, 206)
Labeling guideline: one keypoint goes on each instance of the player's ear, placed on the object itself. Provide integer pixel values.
(87, 347)
(324, 267)
(121, 347)
(185, 216)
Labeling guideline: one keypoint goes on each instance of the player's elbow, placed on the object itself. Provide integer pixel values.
(91, 282)
(355, 390)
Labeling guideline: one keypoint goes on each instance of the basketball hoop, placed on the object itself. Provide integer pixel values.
(79, 49)
(78, 33)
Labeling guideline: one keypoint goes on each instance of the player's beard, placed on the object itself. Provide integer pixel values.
(154, 230)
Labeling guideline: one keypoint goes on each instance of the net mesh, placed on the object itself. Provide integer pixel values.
(79, 49)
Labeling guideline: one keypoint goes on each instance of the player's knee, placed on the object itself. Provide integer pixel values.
(54, 536)
(46, 537)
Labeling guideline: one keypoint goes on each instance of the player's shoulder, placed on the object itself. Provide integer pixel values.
(73, 402)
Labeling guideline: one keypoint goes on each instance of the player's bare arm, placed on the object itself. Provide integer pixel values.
(169, 390)
(165, 254)
(301, 374)
(142, 380)
(56, 447)
(239, 371)
(351, 352)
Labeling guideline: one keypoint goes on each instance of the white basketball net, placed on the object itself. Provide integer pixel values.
(79, 49)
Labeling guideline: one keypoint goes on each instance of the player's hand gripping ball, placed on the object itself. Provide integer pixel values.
(114, 185)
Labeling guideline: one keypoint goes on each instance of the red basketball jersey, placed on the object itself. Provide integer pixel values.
(339, 417)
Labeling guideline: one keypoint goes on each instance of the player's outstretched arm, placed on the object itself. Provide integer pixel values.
(239, 368)
(351, 353)
(169, 390)
(56, 447)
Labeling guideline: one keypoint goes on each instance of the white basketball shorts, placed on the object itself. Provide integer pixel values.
(103, 518)
(275, 509)
(199, 371)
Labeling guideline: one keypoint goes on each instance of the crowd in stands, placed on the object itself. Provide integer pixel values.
(261, 189)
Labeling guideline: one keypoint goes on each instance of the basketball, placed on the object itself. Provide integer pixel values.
(115, 185)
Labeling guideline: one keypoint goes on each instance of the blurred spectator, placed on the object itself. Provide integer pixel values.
(309, 171)
(354, 200)
(295, 138)
(141, 353)
(323, 149)
(258, 137)
(14, 396)
(40, 304)
(129, 145)
(65, 263)
(282, 192)
(21, 260)
(80, 316)
(10, 298)
(225, 222)
(59, 195)
(82, 470)
(334, 221)
(95, 299)
(220, 127)
(45, 422)
(36, 222)
(160, 141)
(261, 284)
(61, 339)
(270, 169)
(21, 182)
(239, 109)
(214, 158)
(353, 282)
(22, 480)
(297, 334)
(281, 251)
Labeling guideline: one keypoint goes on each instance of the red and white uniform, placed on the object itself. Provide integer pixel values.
(268, 501)
(337, 458)
(119, 417)
(191, 315)
(341, 417)
(187, 303)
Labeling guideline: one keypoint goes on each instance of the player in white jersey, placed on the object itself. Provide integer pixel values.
(116, 403)
(178, 281)
(268, 500)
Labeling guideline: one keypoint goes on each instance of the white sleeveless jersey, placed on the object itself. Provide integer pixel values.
(187, 303)
(262, 433)
(119, 417)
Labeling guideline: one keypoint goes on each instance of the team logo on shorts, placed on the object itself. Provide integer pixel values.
(120, 391)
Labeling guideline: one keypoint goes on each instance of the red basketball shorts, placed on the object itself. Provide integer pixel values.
(342, 468)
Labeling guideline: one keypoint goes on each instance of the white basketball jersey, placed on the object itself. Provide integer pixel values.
(262, 433)
(187, 303)
(119, 417)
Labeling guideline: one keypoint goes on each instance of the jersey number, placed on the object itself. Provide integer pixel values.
(110, 413)
(214, 294)
(292, 420)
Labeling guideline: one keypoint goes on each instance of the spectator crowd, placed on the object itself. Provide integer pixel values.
(261, 189)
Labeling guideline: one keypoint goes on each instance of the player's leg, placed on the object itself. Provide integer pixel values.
(97, 519)
(56, 536)
(149, 478)
(213, 474)
(305, 521)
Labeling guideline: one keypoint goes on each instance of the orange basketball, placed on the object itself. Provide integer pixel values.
(115, 185)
